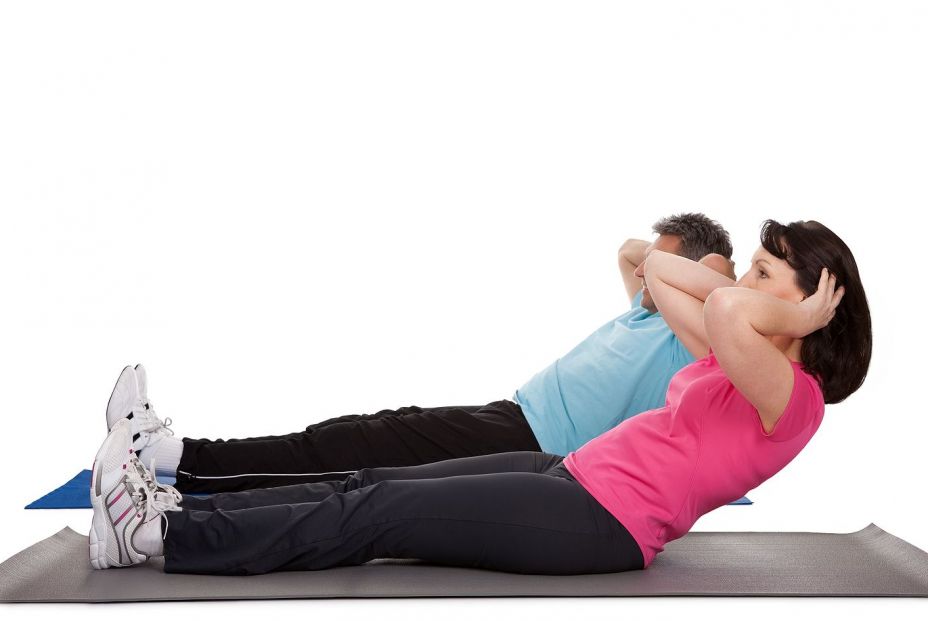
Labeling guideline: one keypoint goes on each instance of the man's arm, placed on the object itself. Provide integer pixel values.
(631, 255)
(680, 287)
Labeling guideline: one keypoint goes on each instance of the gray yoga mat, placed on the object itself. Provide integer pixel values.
(870, 562)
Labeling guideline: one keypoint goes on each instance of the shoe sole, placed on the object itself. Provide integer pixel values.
(112, 395)
(97, 561)
(100, 529)
(99, 538)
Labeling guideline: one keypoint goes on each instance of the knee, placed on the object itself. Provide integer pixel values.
(361, 478)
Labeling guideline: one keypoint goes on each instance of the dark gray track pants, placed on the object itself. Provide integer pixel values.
(518, 512)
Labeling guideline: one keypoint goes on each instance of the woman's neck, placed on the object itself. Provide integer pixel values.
(791, 348)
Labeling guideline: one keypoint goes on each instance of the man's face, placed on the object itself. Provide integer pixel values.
(667, 243)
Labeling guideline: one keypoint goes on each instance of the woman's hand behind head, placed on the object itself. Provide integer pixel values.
(820, 306)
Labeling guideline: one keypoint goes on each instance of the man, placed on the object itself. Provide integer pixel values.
(620, 370)
(623, 368)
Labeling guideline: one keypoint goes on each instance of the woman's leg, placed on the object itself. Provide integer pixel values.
(313, 492)
(334, 449)
(520, 522)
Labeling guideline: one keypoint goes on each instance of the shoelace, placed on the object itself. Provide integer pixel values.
(153, 424)
(164, 494)
(160, 498)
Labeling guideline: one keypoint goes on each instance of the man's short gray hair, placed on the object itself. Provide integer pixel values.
(699, 235)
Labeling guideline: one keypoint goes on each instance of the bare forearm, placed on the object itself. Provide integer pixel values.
(691, 277)
(766, 314)
(632, 252)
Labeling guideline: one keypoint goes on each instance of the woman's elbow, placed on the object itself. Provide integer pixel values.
(654, 264)
(720, 309)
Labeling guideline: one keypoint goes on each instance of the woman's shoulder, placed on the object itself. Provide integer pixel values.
(804, 410)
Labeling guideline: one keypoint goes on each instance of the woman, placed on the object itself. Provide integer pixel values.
(791, 335)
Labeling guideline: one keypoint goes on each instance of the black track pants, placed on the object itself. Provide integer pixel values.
(335, 448)
(519, 512)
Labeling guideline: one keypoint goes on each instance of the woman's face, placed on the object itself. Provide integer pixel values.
(772, 275)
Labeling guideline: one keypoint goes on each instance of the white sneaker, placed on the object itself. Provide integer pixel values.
(142, 376)
(124, 397)
(130, 400)
(127, 502)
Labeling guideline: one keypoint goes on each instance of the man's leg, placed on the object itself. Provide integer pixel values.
(338, 447)
(521, 522)
(348, 418)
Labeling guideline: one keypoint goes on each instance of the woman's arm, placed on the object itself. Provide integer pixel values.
(738, 320)
(680, 287)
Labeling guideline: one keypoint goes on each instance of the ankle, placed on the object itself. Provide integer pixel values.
(166, 453)
(149, 537)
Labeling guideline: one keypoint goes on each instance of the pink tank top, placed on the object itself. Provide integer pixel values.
(659, 471)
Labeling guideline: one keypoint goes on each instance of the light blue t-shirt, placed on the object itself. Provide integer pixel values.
(620, 370)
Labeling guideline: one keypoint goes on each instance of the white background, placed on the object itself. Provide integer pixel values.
(293, 211)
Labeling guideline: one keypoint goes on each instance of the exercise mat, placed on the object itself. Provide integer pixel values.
(870, 562)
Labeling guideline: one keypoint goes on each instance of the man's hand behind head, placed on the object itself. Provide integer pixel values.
(720, 264)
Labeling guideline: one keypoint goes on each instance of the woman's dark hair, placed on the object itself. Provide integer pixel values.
(838, 354)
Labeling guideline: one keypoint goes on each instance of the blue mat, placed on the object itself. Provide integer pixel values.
(75, 494)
